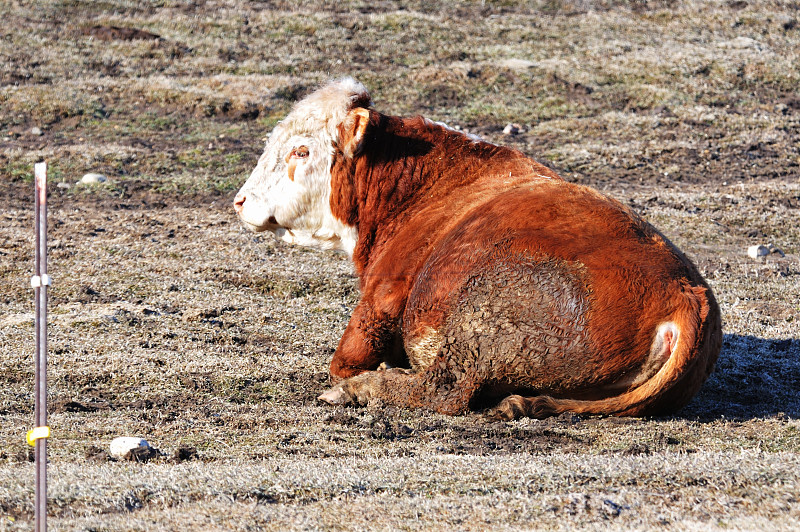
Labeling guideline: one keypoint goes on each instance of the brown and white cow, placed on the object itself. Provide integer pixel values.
(486, 280)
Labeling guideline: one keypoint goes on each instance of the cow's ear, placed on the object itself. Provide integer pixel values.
(352, 130)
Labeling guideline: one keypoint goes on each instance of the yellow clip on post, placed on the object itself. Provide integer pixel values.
(37, 433)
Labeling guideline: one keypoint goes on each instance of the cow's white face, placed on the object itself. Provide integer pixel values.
(289, 191)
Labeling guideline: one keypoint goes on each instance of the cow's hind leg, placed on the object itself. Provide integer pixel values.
(441, 387)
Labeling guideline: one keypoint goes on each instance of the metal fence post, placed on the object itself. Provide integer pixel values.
(40, 281)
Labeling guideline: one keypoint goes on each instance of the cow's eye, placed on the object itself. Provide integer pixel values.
(299, 153)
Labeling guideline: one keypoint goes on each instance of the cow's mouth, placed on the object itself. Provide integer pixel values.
(271, 224)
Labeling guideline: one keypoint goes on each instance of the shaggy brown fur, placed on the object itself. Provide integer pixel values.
(493, 279)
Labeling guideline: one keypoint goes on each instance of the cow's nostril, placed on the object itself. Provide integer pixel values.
(238, 203)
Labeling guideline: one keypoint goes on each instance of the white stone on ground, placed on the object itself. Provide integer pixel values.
(122, 445)
(91, 178)
(758, 251)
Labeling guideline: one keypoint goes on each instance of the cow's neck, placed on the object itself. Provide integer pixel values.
(407, 163)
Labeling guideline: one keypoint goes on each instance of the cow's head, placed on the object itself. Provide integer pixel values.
(289, 190)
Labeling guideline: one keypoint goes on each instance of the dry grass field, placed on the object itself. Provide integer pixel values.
(171, 322)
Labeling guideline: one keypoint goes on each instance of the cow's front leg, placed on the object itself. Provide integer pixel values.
(443, 387)
(370, 338)
(361, 388)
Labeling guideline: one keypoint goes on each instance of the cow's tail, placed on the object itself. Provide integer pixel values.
(688, 343)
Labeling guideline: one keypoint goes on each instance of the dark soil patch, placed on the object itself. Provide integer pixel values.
(511, 439)
(115, 33)
(184, 453)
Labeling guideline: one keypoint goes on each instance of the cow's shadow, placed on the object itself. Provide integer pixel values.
(754, 378)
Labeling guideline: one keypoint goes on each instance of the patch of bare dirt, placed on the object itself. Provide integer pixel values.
(115, 33)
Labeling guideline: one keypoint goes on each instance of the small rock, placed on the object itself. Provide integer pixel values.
(512, 129)
(64, 185)
(758, 251)
(124, 447)
(36, 131)
(776, 250)
(89, 179)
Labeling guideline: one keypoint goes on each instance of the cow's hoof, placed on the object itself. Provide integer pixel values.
(355, 390)
(335, 396)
